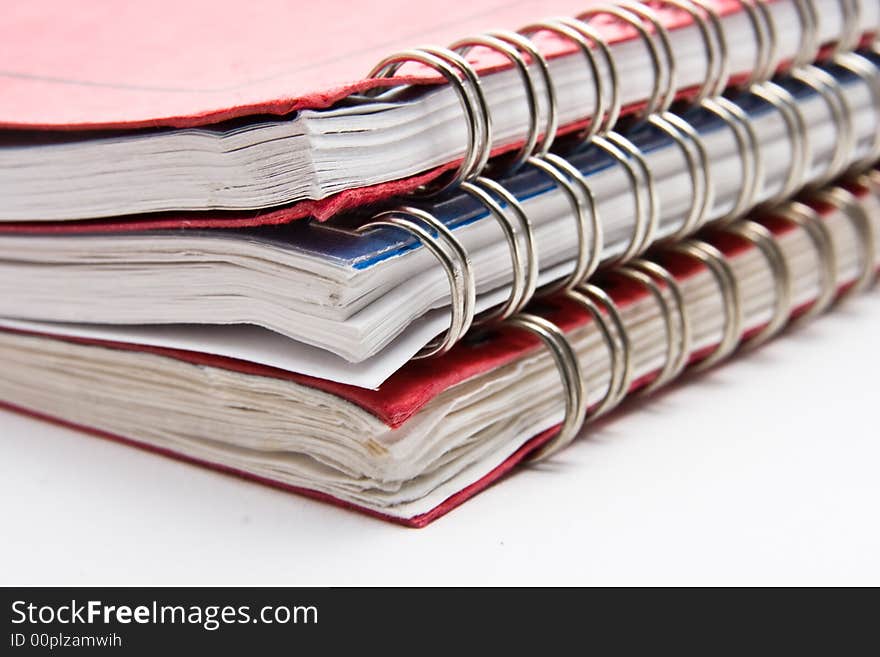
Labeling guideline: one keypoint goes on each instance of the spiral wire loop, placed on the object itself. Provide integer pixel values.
(452, 257)
(662, 286)
(533, 71)
(570, 373)
(541, 96)
(799, 137)
(715, 262)
(814, 226)
(846, 202)
(870, 74)
(829, 89)
(764, 241)
(670, 321)
(461, 75)
(520, 241)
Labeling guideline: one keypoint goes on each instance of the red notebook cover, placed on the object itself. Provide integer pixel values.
(98, 65)
(418, 382)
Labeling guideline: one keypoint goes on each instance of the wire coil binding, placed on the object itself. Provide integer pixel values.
(662, 286)
(541, 96)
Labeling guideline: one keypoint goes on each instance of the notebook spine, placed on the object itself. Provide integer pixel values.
(542, 131)
(657, 280)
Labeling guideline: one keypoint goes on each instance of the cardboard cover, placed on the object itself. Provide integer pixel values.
(101, 65)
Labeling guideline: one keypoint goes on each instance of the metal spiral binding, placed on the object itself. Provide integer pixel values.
(847, 203)
(644, 192)
(749, 150)
(461, 75)
(583, 206)
(850, 37)
(716, 263)
(669, 321)
(697, 157)
(667, 68)
(661, 71)
(520, 241)
(680, 361)
(764, 241)
(569, 180)
(811, 221)
(708, 22)
(830, 91)
(810, 43)
(528, 62)
(608, 321)
(641, 17)
(594, 300)
(571, 374)
(716, 48)
(573, 185)
(614, 347)
(451, 65)
(870, 180)
(454, 260)
(622, 373)
(798, 135)
(504, 47)
(584, 37)
(772, 46)
(870, 74)
(765, 38)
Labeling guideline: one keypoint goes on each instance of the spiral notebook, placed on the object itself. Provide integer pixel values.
(352, 301)
(440, 430)
(282, 106)
(500, 242)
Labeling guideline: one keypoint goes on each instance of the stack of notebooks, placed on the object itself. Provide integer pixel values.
(304, 250)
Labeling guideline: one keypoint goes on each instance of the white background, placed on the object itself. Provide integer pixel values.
(763, 471)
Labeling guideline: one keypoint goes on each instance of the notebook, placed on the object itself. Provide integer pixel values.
(497, 242)
(351, 303)
(440, 430)
(279, 112)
